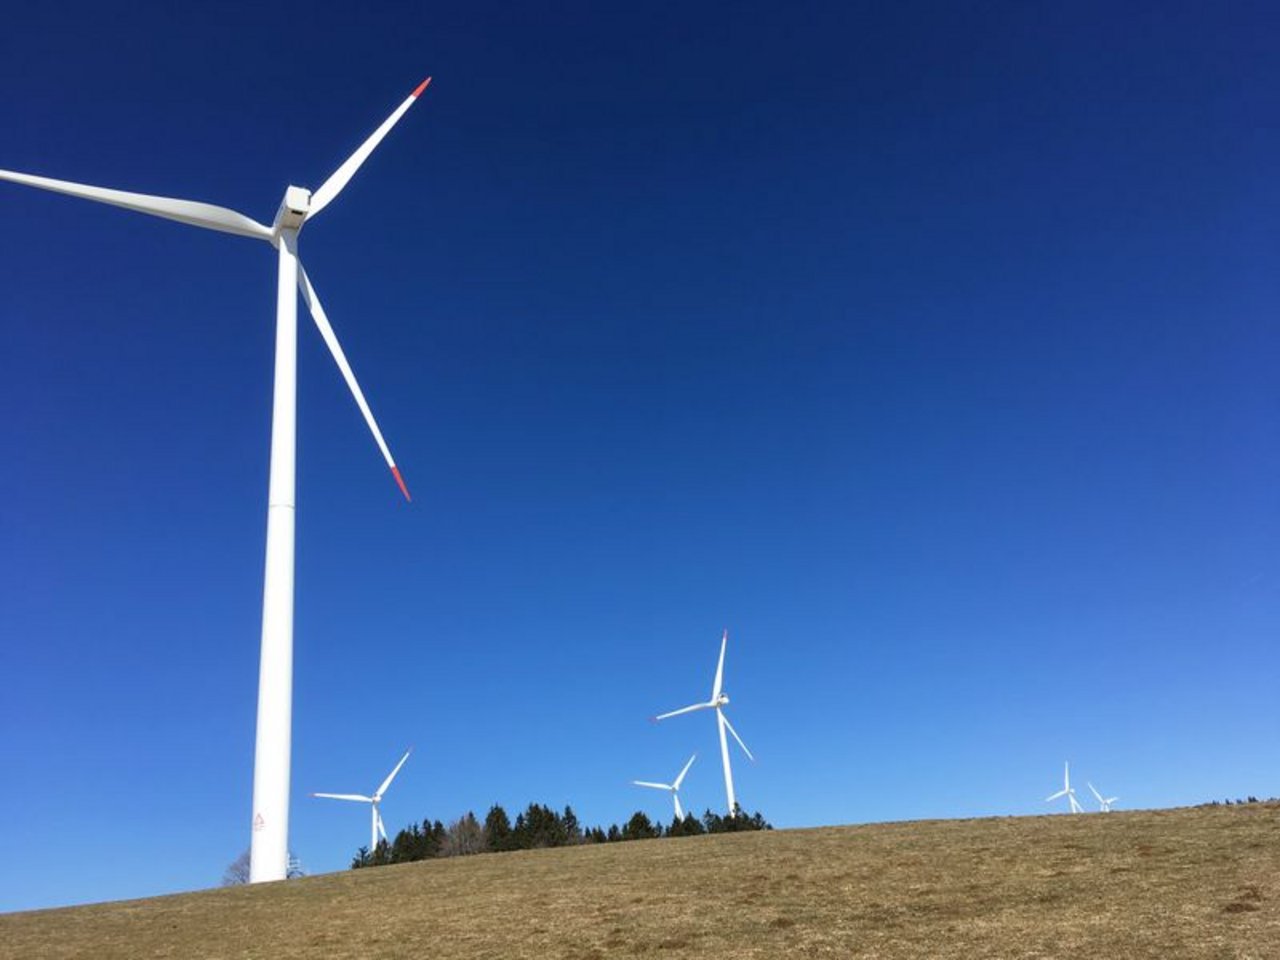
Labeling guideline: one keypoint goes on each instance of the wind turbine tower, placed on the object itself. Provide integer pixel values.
(269, 848)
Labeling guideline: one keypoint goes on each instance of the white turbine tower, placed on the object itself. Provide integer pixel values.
(1066, 790)
(269, 849)
(674, 787)
(717, 702)
(376, 826)
(1103, 804)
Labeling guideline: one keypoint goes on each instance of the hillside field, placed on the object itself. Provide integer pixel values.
(1190, 883)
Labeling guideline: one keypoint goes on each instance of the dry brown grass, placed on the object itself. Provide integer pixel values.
(1192, 883)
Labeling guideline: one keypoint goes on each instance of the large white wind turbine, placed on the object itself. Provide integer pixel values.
(376, 826)
(269, 850)
(717, 702)
(1103, 804)
(673, 787)
(1066, 790)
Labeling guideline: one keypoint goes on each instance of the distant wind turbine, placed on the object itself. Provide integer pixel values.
(717, 702)
(1066, 790)
(1103, 805)
(674, 788)
(376, 826)
(269, 848)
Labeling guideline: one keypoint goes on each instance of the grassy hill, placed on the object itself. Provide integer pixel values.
(1190, 883)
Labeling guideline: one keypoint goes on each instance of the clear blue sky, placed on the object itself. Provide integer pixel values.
(933, 352)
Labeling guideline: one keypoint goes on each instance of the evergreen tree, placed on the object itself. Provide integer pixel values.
(640, 827)
(690, 826)
(714, 823)
(572, 830)
(405, 845)
(432, 837)
(497, 830)
(538, 827)
(416, 843)
(381, 854)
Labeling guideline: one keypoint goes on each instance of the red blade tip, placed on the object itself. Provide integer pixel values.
(422, 86)
(395, 472)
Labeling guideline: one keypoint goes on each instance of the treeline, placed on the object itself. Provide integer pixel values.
(537, 827)
(1238, 802)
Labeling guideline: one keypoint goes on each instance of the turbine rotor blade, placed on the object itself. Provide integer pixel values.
(339, 178)
(381, 829)
(680, 779)
(655, 786)
(190, 212)
(1060, 793)
(690, 709)
(1095, 792)
(735, 736)
(360, 798)
(331, 341)
(392, 775)
(719, 682)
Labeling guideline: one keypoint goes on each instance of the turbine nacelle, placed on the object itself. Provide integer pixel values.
(721, 701)
(293, 211)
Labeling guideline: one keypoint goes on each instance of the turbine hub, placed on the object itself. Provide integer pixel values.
(722, 700)
(293, 209)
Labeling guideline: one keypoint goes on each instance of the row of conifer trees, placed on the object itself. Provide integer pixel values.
(538, 826)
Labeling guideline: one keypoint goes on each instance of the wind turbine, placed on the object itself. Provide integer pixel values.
(1103, 805)
(376, 826)
(1066, 790)
(269, 849)
(717, 702)
(674, 788)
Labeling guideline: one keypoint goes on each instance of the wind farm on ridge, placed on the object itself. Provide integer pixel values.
(588, 516)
